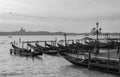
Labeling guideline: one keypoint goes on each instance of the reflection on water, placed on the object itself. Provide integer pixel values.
(41, 66)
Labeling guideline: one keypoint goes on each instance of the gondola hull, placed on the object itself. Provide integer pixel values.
(51, 52)
(37, 50)
(48, 50)
(23, 52)
(73, 60)
(93, 63)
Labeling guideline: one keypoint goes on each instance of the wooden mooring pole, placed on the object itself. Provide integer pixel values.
(65, 39)
(20, 40)
(89, 58)
(22, 44)
(108, 53)
(55, 41)
(45, 44)
(14, 42)
(27, 45)
(119, 62)
(108, 58)
(119, 54)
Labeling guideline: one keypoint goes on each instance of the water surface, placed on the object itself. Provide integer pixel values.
(42, 66)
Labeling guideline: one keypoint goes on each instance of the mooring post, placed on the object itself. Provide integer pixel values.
(51, 42)
(54, 43)
(108, 57)
(108, 53)
(27, 45)
(22, 44)
(37, 42)
(55, 40)
(20, 40)
(65, 39)
(72, 41)
(45, 44)
(119, 62)
(30, 47)
(77, 53)
(119, 54)
(14, 42)
(89, 58)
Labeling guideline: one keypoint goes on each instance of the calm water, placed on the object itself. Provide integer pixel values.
(43, 66)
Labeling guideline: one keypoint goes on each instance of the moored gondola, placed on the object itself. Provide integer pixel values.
(102, 45)
(48, 50)
(73, 59)
(36, 49)
(86, 56)
(83, 58)
(51, 47)
(60, 46)
(22, 51)
(84, 46)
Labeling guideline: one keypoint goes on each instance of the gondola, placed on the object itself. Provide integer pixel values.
(72, 46)
(18, 49)
(74, 60)
(84, 46)
(61, 46)
(36, 49)
(51, 52)
(85, 60)
(42, 47)
(22, 51)
(37, 45)
(110, 44)
(48, 50)
(117, 43)
(51, 46)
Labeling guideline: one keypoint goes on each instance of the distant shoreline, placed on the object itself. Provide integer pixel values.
(51, 34)
(23, 32)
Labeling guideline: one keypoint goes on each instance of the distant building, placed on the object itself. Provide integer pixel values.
(22, 30)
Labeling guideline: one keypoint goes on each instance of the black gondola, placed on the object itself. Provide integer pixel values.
(84, 59)
(61, 46)
(84, 46)
(36, 49)
(102, 45)
(51, 47)
(23, 52)
(48, 50)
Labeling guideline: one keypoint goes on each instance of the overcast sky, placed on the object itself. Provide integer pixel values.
(60, 15)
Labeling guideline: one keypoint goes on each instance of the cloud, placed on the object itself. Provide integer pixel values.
(67, 15)
(76, 8)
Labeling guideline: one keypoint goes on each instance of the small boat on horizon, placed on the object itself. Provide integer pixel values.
(9, 36)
